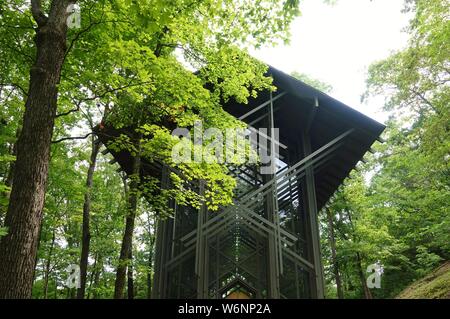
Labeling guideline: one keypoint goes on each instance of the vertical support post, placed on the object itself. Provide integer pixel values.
(218, 296)
(272, 211)
(258, 284)
(297, 281)
(305, 227)
(313, 220)
(156, 291)
(201, 251)
(273, 138)
(161, 249)
(174, 231)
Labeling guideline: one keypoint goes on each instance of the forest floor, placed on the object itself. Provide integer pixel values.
(436, 285)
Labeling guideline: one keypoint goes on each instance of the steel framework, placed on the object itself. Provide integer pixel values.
(266, 245)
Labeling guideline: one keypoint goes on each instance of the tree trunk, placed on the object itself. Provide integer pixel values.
(55, 292)
(91, 278)
(24, 216)
(150, 266)
(367, 293)
(130, 281)
(98, 270)
(132, 199)
(332, 239)
(47, 265)
(86, 234)
(9, 177)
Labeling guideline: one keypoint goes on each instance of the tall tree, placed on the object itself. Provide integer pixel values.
(23, 219)
(130, 278)
(86, 233)
(133, 195)
(48, 264)
(334, 260)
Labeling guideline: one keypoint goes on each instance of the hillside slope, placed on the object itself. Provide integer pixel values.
(435, 285)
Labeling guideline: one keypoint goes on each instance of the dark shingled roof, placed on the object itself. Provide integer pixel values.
(331, 119)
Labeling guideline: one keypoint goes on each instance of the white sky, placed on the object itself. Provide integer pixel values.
(336, 44)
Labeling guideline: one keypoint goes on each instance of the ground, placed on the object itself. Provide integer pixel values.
(435, 285)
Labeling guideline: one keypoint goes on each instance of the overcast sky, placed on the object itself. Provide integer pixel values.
(337, 43)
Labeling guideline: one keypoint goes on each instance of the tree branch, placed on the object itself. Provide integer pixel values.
(38, 15)
(15, 85)
(71, 111)
(80, 33)
(425, 100)
(99, 96)
(73, 138)
(77, 36)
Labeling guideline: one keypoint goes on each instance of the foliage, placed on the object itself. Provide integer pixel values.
(317, 84)
(147, 67)
(400, 213)
(144, 67)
